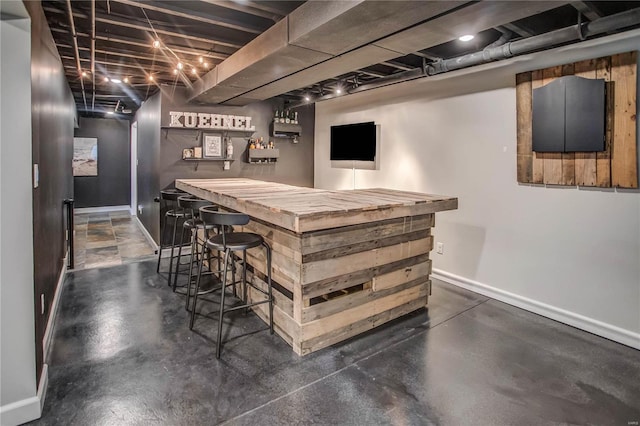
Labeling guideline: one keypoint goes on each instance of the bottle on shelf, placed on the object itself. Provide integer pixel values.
(295, 118)
(287, 118)
(276, 117)
(229, 148)
(252, 144)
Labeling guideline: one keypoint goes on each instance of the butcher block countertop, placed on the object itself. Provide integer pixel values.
(300, 209)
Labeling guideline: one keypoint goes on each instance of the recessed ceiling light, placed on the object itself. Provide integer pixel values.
(84, 73)
(306, 98)
(201, 59)
(106, 79)
(175, 71)
(179, 66)
(126, 79)
(206, 65)
(338, 91)
(116, 80)
(156, 44)
(467, 37)
(193, 71)
(110, 112)
(150, 78)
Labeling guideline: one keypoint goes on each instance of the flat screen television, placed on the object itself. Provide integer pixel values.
(354, 142)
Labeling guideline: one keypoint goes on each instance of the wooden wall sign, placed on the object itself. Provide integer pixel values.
(617, 165)
(202, 120)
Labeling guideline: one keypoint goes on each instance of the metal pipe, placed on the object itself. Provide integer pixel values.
(542, 41)
(77, 53)
(93, 54)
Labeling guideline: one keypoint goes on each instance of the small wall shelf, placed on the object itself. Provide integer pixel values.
(198, 160)
(284, 130)
(262, 156)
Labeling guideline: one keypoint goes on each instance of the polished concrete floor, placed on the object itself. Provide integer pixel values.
(108, 239)
(123, 355)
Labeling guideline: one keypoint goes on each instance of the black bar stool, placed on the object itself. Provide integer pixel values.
(229, 242)
(169, 201)
(191, 204)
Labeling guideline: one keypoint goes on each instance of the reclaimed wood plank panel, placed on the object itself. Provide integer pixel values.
(538, 157)
(585, 162)
(603, 158)
(316, 271)
(355, 328)
(568, 158)
(624, 157)
(552, 160)
(392, 279)
(524, 160)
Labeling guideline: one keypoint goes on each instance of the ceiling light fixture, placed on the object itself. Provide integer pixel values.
(175, 71)
(201, 59)
(110, 112)
(106, 79)
(150, 78)
(338, 90)
(306, 98)
(126, 79)
(467, 37)
(156, 44)
(84, 73)
(179, 66)
(193, 71)
(116, 80)
(206, 65)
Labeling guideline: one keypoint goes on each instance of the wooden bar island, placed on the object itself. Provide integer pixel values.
(343, 262)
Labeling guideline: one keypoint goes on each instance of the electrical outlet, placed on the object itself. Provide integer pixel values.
(440, 248)
(139, 208)
(42, 304)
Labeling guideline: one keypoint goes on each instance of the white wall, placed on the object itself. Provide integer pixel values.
(567, 253)
(18, 400)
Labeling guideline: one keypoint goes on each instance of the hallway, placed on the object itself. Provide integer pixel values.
(123, 354)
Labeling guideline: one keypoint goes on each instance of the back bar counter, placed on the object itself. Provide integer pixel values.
(344, 262)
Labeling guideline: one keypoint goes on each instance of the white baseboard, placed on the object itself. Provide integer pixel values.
(28, 409)
(146, 233)
(53, 312)
(611, 332)
(105, 209)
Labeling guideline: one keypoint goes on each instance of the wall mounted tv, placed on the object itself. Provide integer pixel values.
(355, 142)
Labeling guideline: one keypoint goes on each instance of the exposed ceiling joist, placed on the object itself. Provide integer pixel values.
(587, 9)
(522, 32)
(192, 15)
(246, 9)
(397, 65)
(125, 24)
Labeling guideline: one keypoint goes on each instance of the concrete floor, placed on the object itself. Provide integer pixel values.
(123, 354)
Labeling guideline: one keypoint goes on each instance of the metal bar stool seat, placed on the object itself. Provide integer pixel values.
(169, 200)
(229, 242)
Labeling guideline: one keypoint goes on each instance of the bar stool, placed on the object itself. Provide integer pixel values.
(191, 204)
(229, 242)
(169, 201)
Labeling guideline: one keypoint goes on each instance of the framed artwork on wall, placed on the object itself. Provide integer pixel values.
(212, 145)
(85, 156)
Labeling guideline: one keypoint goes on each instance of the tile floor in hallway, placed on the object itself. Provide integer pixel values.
(123, 354)
(108, 239)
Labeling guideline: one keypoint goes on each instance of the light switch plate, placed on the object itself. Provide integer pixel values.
(36, 175)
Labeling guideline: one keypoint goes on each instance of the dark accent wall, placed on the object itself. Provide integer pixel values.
(160, 150)
(53, 117)
(148, 172)
(294, 167)
(112, 186)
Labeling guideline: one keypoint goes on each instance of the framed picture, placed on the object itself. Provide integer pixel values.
(85, 156)
(187, 153)
(212, 145)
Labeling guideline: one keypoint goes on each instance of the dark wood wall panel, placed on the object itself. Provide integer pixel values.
(617, 165)
(53, 116)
